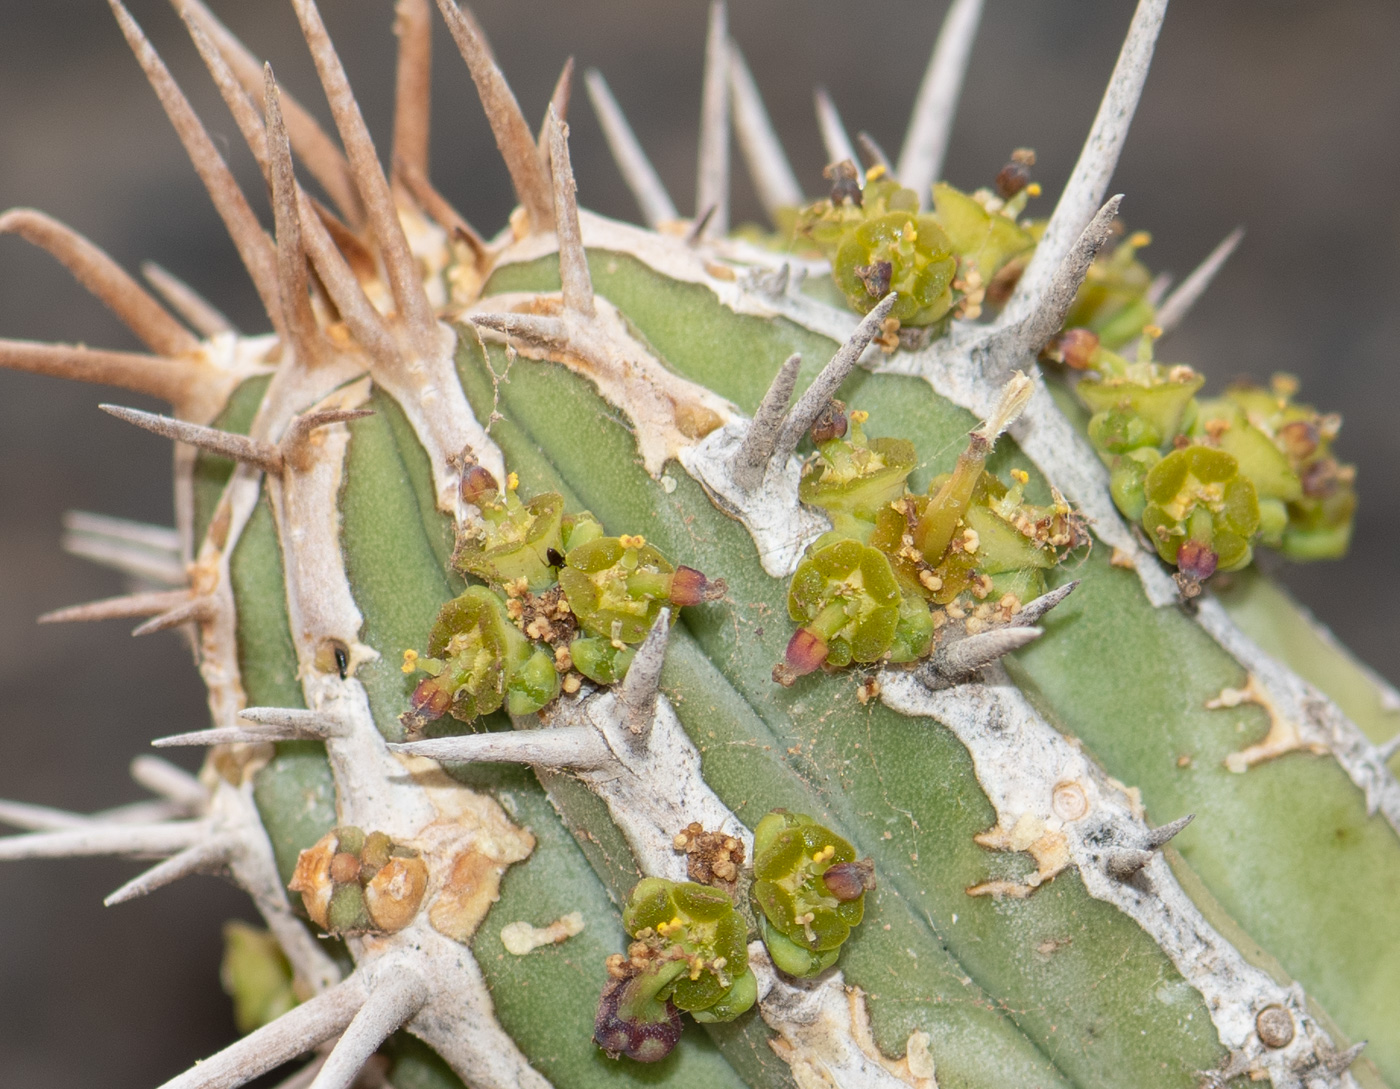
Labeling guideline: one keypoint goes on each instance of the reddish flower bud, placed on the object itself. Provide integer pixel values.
(477, 484)
(1074, 348)
(1011, 179)
(848, 880)
(1299, 439)
(691, 587)
(1196, 560)
(429, 701)
(831, 423)
(805, 654)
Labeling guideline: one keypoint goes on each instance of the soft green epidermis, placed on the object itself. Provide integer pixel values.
(805, 739)
(1138, 731)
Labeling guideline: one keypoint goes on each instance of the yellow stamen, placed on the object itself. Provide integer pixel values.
(410, 661)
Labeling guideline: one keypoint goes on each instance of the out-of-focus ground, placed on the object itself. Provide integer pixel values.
(1276, 115)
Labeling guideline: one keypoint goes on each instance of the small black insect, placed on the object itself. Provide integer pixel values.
(555, 557)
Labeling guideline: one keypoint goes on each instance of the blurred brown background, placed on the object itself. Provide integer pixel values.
(1273, 114)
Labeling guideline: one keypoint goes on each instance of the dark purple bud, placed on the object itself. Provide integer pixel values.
(641, 1041)
(845, 182)
(1016, 174)
(848, 880)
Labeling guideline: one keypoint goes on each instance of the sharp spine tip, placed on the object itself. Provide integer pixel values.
(636, 169)
(712, 177)
(640, 687)
(931, 121)
(825, 385)
(1033, 610)
(260, 455)
(575, 282)
(834, 139)
(751, 460)
(1178, 304)
(1159, 837)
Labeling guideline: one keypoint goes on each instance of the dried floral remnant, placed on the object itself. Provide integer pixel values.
(712, 858)
(353, 883)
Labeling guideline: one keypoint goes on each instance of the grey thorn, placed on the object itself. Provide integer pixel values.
(838, 145)
(639, 688)
(320, 1018)
(1157, 838)
(134, 548)
(750, 461)
(308, 724)
(42, 818)
(1122, 863)
(1388, 749)
(873, 154)
(1158, 288)
(209, 856)
(772, 283)
(1032, 611)
(185, 301)
(161, 777)
(825, 385)
(957, 660)
(260, 455)
(768, 164)
(931, 122)
(637, 172)
(1089, 180)
(140, 840)
(579, 747)
(396, 997)
(194, 612)
(1339, 1062)
(712, 176)
(575, 282)
(236, 735)
(126, 607)
(1179, 303)
(698, 226)
(529, 327)
(145, 534)
(1049, 310)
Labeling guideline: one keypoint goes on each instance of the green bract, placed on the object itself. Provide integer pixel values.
(1299, 498)
(1113, 300)
(1197, 497)
(854, 479)
(806, 919)
(516, 541)
(845, 596)
(689, 953)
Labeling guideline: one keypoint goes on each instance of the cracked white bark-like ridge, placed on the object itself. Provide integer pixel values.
(1047, 789)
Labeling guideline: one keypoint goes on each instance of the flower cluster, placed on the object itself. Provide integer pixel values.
(1209, 478)
(897, 566)
(689, 948)
(562, 602)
